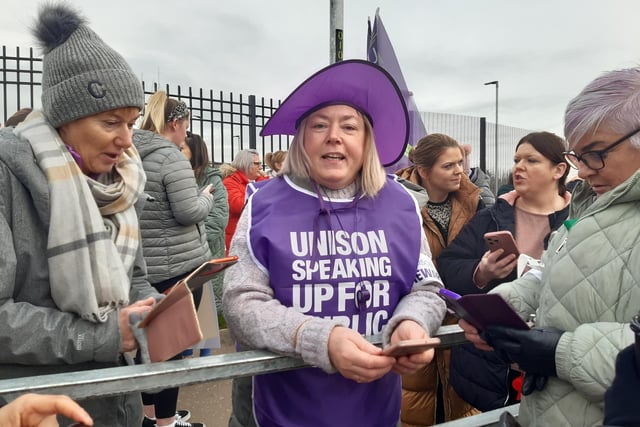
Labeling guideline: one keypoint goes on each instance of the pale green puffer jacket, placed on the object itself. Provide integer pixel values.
(590, 288)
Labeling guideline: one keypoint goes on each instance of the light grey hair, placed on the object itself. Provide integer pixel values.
(611, 100)
(244, 160)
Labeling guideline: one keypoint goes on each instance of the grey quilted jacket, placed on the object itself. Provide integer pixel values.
(36, 337)
(173, 235)
(590, 288)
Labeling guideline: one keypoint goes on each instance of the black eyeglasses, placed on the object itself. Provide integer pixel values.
(594, 160)
(257, 163)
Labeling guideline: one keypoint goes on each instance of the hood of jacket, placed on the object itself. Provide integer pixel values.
(479, 178)
(417, 191)
(210, 172)
(16, 154)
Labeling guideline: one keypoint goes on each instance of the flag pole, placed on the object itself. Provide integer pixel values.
(381, 52)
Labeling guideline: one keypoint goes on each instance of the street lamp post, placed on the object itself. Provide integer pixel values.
(336, 24)
(495, 82)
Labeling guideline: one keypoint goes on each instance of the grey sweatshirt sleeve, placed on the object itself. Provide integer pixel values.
(259, 321)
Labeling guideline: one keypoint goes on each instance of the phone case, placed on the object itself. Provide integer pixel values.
(483, 310)
(407, 347)
(207, 270)
(172, 325)
(501, 240)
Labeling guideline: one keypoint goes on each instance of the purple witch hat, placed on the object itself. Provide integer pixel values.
(360, 84)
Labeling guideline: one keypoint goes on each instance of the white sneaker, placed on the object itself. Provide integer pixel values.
(183, 415)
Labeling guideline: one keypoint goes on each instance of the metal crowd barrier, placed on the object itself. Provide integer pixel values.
(113, 381)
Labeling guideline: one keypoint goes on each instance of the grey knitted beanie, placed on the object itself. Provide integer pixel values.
(81, 75)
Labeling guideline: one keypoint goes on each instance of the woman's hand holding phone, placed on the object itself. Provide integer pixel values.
(209, 189)
(472, 335)
(408, 330)
(409, 347)
(501, 240)
(497, 262)
(493, 266)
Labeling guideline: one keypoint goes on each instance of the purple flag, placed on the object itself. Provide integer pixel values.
(380, 51)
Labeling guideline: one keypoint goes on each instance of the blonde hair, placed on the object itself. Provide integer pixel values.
(158, 112)
(372, 174)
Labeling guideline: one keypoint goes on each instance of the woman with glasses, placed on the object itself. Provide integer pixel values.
(589, 288)
(535, 208)
(245, 168)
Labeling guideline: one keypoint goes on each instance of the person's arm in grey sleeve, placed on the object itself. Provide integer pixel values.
(140, 286)
(260, 321)
(188, 204)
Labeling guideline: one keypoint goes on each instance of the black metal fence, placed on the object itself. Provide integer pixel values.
(228, 122)
(20, 77)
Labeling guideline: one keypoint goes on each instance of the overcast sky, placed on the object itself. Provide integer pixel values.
(542, 52)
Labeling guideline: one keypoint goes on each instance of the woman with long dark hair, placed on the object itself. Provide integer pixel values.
(195, 149)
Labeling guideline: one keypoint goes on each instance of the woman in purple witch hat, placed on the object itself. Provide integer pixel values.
(334, 267)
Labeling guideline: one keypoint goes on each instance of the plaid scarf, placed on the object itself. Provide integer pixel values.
(93, 231)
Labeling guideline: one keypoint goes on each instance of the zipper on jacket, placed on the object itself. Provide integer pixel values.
(564, 241)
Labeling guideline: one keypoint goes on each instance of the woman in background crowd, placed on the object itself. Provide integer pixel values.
(451, 201)
(245, 168)
(173, 234)
(531, 212)
(478, 177)
(18, 117)
(274, 161)
(195, 149)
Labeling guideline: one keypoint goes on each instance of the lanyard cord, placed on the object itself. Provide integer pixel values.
(362, 293)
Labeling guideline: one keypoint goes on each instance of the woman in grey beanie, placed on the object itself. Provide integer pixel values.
(72, 269)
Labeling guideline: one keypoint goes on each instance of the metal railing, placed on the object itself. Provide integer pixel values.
(175, 373)
(124, 379)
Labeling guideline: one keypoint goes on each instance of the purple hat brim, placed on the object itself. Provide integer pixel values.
(360, 84)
